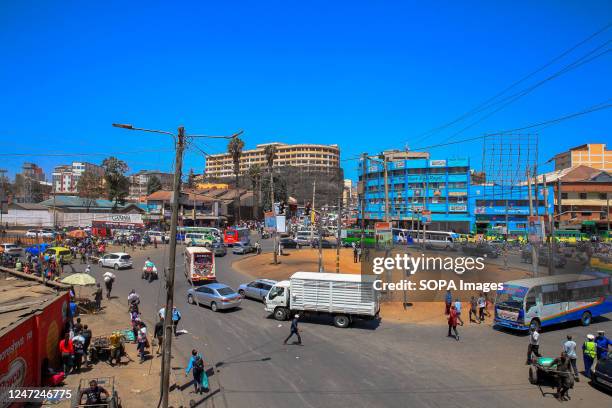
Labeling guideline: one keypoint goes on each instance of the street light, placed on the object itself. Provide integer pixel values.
(123, 126)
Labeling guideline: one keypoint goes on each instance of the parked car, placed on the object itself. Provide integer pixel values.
(258, 289)
(324, 243)
(116, 260)
(602, 375)
(242, 249)
(219, 249)
(287, 242)
(302, 238)
(11, 249)
(56, 252)
(217, 296)
(158, 236)
(40, 233)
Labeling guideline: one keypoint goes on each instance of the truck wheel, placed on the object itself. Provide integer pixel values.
(533, 375)
(586, 318)
(280, 314)
(342, 321)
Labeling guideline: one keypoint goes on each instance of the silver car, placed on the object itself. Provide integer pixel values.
(215, 295)
(258, 289)
(12, 249)
(116, 260)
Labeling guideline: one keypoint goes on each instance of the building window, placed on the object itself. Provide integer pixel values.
(564, 196)
(602, 196)
(583, 196)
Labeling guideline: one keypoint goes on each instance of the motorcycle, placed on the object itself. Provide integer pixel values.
(149, 273)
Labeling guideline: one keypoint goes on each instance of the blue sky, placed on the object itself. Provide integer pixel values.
(365, 75)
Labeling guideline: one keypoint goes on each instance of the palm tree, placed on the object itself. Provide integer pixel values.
(270, 152)
(234, 148)
(254, 174)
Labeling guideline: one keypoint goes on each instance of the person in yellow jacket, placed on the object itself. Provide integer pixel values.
(588, 354)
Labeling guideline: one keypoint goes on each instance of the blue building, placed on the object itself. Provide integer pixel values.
(496, 206)
(417, 183)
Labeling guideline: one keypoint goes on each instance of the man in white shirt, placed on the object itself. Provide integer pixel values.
(534, 345)
(109, 279)
(569, 347)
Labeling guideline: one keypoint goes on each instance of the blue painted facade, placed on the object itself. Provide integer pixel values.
(438, 185)
(490, 203)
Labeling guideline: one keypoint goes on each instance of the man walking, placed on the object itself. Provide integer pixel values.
(109, 279)
(200, 379)
(448, 300)
(354, 253)
(98, 297)
(176, 318)
(452, 322)
(602, 343)
(458, 309)
(294, 330)
(534, 345)
(159, 335)
(588, 354)
(474, 310)
(482, 303)
(569, 347)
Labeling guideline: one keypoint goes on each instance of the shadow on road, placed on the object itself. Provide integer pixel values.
(328, 321)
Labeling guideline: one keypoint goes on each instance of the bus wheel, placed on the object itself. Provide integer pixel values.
(586, 318)
(535, 324)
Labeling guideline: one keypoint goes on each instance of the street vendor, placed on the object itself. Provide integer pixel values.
(93, 394)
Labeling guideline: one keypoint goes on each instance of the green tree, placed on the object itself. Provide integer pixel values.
(254, 174)
(191, 179)
(234, 148)
(270, 153)
(154, 184)
(89, 187)
(117, 184)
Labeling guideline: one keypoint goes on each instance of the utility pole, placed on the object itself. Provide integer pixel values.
(168, 334)
(274, 250)
(423, 215)
(559, 201)
(608, 209)
(338, 234)
(364, 186)
(551, 254)
(534, 250)
(2, 192)
(313, 216)
(384, 160)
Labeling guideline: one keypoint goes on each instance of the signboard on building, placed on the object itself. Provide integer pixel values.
(384, 236)
(270, 221)
(535, 230)
(437, 163)
(457, 193)
(398, 164)
(457, 207)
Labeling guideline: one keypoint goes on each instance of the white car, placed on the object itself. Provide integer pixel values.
(158, 236)
(116, 260)
(41, 233)
(12, 249)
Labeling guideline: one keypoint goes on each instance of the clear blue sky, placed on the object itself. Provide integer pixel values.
(365, 75)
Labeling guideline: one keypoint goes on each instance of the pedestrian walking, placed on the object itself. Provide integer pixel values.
(354, 253)
(158, 332)
(98, 297)
(569, 348)
(78, 344)
(448, 300)
(77, 327)
(534, 345)
(358, 254)
(294, 330)
(133, 300)
(474, 310)
(200, 379)
(142, 341)
(452, 322)
(176, 318)
(565, 380)
(135, 320)
(109, 279)
(588, 354)
(602, 343)
(458, 309)
(482, 304)
(87, 334)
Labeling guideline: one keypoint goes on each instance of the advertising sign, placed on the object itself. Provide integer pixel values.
(457, 207)
(384, 236)
(281, 224)
(18, 363)
(270, 221)
(50, 323)
(535, 231)
(437, 163)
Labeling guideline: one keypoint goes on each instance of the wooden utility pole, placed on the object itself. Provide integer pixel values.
(168, 332)
(534, 249)
(386, 176)
(364, 187)
(339, 223)
(551, 225)
(274, 234)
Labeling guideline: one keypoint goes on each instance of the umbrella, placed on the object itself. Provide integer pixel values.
(79, 279)
(77, 234)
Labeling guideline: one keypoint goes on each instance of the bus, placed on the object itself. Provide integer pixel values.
(195, 239)
(570, 236)
(540, 302)
(215, 232)
(234, 235)
(348, 236)
(199, 265)
(433, 239)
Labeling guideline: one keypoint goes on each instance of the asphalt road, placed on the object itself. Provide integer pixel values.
(368, 365)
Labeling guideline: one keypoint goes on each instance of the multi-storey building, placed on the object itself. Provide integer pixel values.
(32, 172)
(506, 208)
(417, 185)
(591, 154)
(313, 157)
(66, 177)
(140, 180)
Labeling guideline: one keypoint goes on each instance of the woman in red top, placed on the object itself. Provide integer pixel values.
(67, 351)
(452, 322)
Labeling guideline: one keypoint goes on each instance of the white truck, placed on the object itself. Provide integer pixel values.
(343, 296)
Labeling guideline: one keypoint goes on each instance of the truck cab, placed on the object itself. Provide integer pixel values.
(277, 300)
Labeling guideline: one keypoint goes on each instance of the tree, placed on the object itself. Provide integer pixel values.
(117, 184)
(234, 148)
(254, 174)
(270, 153)
(90, 187)
(154, 184)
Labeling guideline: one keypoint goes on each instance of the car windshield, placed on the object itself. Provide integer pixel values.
(225, 291)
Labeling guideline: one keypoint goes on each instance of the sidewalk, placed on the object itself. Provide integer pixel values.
(136, 384)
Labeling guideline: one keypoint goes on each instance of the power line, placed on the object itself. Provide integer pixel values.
(66, 154)
(484, 104)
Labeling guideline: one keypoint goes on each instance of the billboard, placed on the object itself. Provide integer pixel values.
(270, 221)
(535, 230)
(19, 363)
(384, 236)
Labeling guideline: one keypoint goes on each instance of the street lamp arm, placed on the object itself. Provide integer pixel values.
(218, 137)
(130, 127)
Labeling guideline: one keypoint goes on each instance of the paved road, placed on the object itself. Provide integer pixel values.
(369, 365)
